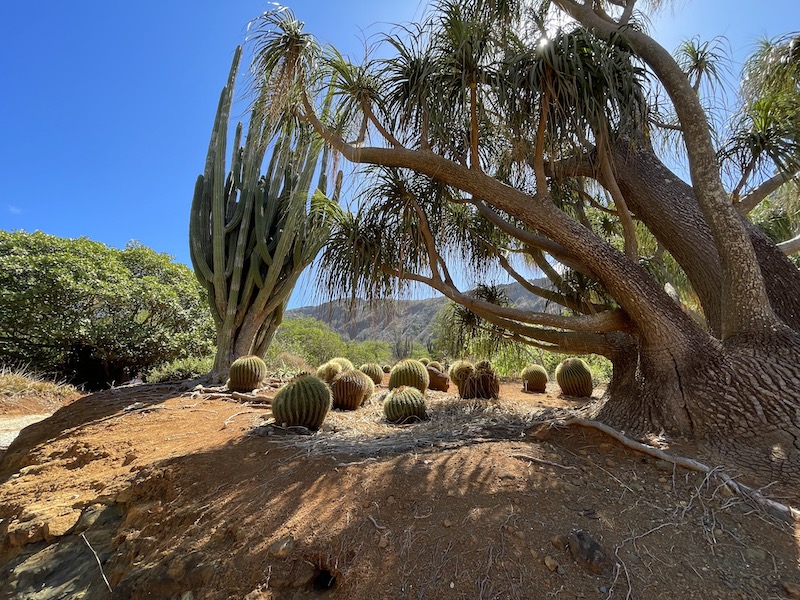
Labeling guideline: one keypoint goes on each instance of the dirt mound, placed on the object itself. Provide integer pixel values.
(153, 493)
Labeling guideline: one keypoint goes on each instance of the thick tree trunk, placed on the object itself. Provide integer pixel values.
(667, 206)
(741, 399)
(253, 336)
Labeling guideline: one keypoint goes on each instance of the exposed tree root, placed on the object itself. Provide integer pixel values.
(777, 509)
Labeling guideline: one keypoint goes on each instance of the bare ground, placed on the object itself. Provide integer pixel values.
(151, 491)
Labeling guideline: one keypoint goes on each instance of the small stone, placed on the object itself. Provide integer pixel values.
(390, 500)
(535, 554)
(663, 479)
(606, 446)
(560, 570)
(589, 554)
(602, 589)
(519, 534)
(447, 523)
(610, 463)
(551, 563)
(583, 452)
(560, 542)
(384, 541)
(282, 548)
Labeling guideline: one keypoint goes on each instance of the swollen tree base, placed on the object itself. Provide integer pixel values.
(740, 399)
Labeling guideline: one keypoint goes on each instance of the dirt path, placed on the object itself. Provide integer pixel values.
(11, 426)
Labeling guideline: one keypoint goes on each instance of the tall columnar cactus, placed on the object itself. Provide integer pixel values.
(405, 404)
(252, 234)
(373, 371)
(409, 372)
(246, 373)
(574, 378)
(351, 389)
(534, 378)
(482, 383)
(303, 402)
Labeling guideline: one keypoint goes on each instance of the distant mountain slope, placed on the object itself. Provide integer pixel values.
(402, 319)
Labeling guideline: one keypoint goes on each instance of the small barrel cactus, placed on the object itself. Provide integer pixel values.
(534, 378)
(373, 371)
(425, 361)
(328, 371)
(438, 380)
(387, 368)
(351, 389)
(409, 372)
(481, 383)
(436, 365)
(303, 402)
(405, 404)
(246, 374)
(460, 370)
(341, 360)
(574, 378)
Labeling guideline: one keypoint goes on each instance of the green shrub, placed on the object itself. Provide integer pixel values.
(180, 369)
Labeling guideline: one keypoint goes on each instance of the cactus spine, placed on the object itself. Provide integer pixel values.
(304, 402)
(459, 372)
(351, 389)
(534, 378)
(373, 371)
(436, 365)
(574, 378)
(409, 372)
(482, 383)
(405, 404)
(345, 363)
(252, 235)
(246, 374)
(328, 371)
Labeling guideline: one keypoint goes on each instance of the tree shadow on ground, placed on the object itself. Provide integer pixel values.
(88, 410)
(451, 519)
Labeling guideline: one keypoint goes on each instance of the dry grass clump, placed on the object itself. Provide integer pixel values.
(452, 422)
(19, 382)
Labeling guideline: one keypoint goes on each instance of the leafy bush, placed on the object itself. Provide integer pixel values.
(180, 369)
(94, 314)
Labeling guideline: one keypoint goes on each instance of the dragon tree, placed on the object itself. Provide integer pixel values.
(494, 141)
(253, 234)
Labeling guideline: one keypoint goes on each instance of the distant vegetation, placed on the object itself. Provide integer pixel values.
(94, 315)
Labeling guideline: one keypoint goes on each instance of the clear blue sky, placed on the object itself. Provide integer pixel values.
(106, 107)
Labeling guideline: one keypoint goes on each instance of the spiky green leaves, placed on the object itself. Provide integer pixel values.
(534, 378)
(303, 402)
(404, 405)
(409, 372)
(574, 378)
(246, 374)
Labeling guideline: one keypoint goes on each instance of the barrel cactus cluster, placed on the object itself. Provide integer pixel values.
(373, 371)
(460, 371)
(351, 389)
(246, 374)
(303, 402)
(534, 378)
(482, 383)
(435, 364)
(409, 372)
(574, 378)
(343, 362)
(405, 404)
(328, 371)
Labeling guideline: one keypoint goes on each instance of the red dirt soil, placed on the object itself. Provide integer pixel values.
(154, 492)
